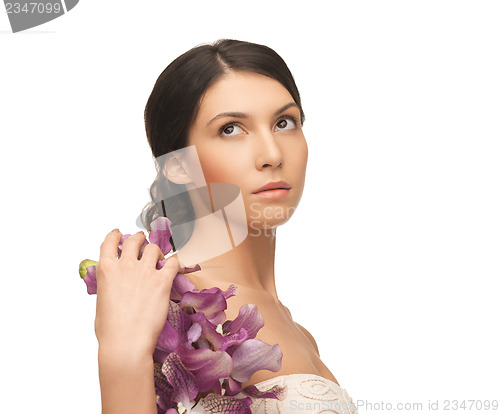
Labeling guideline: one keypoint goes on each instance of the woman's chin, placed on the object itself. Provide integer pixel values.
(267, 226)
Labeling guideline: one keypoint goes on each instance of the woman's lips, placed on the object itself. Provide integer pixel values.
(273, 194)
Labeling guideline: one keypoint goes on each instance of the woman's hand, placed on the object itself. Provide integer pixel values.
(132, 296)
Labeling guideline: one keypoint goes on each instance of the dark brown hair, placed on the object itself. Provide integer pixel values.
(174, 103)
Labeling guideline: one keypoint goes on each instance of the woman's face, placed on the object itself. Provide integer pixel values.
(260, 142)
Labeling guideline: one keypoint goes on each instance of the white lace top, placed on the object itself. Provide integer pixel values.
(305, 393)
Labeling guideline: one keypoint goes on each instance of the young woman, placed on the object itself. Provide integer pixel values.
(237, 104)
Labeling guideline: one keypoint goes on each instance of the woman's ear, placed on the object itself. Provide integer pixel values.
(176, 171)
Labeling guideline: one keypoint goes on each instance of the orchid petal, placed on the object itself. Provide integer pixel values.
(278, 392)
(168, 339)
(204, 344)
(191, 269)
(163, 388)
(160, 264)
(160, 355)
(231, 386)
(231, 291)
(180, 285)
(217, 388)
(221, 404)
(84, 264)
(160, 234)
(90, 279)
(141, 249)
(208, 331)
(228, 293)
(236, 338)
(175, 328)
(182, 381)
(120, 243)
(206, 365)
(161, 406)
(209, 301)
(123, 238)
(254, 355)
(249, 318)
(179, 320)
(194, 332)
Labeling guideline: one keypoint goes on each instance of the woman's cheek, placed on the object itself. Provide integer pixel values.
(304, 150)
(216, 170)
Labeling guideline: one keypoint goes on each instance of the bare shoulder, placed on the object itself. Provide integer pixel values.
(303, 330)
(309, 336)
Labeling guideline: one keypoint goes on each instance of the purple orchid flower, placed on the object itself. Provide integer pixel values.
(214, 403)
(198, 351)
(221, 357)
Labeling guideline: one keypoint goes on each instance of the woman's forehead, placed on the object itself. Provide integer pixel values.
(244, 92)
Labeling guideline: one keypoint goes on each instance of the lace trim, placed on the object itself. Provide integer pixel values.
(304, 393)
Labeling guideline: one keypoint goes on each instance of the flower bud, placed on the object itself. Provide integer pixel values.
(83, 266)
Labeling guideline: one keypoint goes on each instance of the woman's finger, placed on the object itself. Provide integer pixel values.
(131, 246)
(152, 255)
(179, 261)
(172, 265)
(109, 247)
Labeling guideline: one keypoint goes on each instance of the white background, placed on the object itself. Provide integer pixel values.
(392, 259)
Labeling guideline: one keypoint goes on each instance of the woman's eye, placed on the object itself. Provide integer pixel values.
(228, 130)
(286, 122)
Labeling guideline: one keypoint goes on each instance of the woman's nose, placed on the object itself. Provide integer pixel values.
(268, 151)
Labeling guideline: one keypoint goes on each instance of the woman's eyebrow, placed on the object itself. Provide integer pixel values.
(243, 115)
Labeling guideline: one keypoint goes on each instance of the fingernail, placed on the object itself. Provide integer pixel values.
(114, 230)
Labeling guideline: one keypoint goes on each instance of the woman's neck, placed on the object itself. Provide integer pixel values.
(250, 264)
